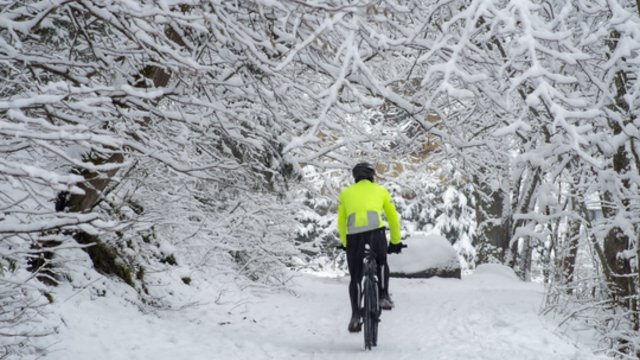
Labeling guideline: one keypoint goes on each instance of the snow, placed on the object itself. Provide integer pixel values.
(287, 83)
(487, 315)
(424, 251)
(489, 271)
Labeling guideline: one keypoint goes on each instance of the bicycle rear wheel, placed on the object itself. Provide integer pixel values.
(370, 313)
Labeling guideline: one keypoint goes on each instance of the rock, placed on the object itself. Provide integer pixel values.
(427, 255)
(496, 271)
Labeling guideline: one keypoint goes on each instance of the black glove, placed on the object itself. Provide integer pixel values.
(395, 248)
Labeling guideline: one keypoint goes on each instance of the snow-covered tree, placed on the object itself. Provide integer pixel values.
(126, 124)
(182, 103)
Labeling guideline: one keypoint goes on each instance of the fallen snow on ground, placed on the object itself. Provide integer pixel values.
(487, 315)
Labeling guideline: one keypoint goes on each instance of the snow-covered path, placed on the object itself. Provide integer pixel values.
(488, 315)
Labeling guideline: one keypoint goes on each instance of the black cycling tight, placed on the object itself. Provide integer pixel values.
(377, 241)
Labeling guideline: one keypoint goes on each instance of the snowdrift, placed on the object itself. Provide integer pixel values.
(427, 255)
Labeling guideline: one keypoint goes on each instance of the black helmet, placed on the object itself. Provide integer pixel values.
(362, 171)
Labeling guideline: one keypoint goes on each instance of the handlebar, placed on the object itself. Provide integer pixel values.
(339, 247)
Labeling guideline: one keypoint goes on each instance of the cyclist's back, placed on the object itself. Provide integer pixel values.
(363, 204)
(359, 223)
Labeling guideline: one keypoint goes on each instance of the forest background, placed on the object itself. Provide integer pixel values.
(153, 140)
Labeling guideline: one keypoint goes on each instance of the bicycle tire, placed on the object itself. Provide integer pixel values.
(370, 313)
(375, 313)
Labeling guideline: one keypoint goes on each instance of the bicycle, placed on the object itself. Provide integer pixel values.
(369, 301)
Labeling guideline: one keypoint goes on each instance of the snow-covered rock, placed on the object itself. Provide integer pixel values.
(427, 255)
(496, 271)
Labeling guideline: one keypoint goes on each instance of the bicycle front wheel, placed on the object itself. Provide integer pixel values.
(370, 313)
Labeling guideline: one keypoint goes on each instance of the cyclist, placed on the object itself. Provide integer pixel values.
(360, 222)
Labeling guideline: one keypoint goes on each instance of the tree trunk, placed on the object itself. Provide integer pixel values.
(616, 241)
(518, 261)
(569, 255)
(492, 237)
(526, 258)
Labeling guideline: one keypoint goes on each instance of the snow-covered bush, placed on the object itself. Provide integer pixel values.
(456, 222)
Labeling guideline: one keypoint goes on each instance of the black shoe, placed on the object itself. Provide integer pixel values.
(355, 325)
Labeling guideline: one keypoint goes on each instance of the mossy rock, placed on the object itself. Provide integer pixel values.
(105, 258)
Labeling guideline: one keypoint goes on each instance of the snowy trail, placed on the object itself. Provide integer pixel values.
(488, 315)
(481, 317)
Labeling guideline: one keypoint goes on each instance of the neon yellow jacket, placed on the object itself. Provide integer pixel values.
(360, 210)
